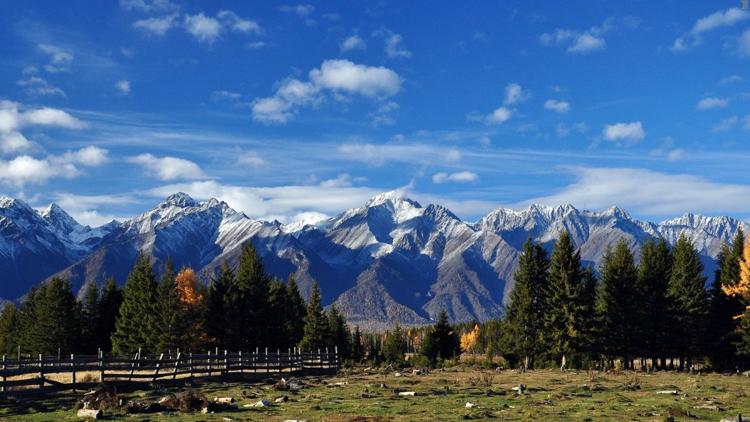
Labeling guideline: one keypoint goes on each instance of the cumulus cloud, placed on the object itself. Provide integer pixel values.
(156, 26)
(251, 159)
(25, 169)
(649, 192)
(123, 86)
(90, 156)
(238, 24)
(59, 58)
(394, 47)
(85, 208)
(204, 28)
(719, 19)
(629, 132)
(14, 117)
(709, 103)
(169, 168)
(459, 177)
(499, 116)
(558, 106)
(340, 77)
(38, 86)
(352, 42)
(514, 93)
(725, 125)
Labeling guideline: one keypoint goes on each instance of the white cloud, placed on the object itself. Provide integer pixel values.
(731, 79)
(394, 47)
(204, 28)
(383, 115)
(255, 45)
(148, 6)
(252, 159)
(301, 10)
(499, 116)
(709, 103)
(14, 117)
(238, 24)
(514, 93)
(743, 44)
(123, 86)
(378, 155)
(585, 41)
(459, 177)
(630, 132)
(90, 156)
(169, 168)
(719, 19)
(562, 130)
(37, 86)
(336, 76)
(24, 169)
(156, 26)
(84, 208)
(649, 192)
(352, 42)
(59, 59)
(725, 125)
(558, 106)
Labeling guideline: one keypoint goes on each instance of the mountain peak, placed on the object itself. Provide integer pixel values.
(393, 196)
(180, 199)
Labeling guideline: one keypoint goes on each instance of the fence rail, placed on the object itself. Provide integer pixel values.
(28, 373)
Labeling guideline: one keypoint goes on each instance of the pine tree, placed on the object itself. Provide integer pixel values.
(89, 318)
(589, 340)
(109, 309)
(357, 349)
(8, 327)
(136, 322)
(295, 312)
(566, 305)
(394, 346)
(55, 324)
(524, 319)
(441, 341)
(614, 303)
(215, 309)
(247, 307)
(340, 335)
(689, 301)
(277, 336)
(171, 324)
(316, 330)
(652, 315)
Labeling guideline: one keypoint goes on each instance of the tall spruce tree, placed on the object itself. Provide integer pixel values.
(89, 318)
(615, 303)
(136, 323)
(689, 302)
(316, 330)
(722, 324)
(109, 309)
(524, 320)
(340, 335)
(53, 323)
(652, 315)
(170, 320)
(564, 328)
(357, 350)
(394, 346)
(247, 307)
(441, 341)
(277, 335)
(216, 306)
(8, 328)
(588, 339)
(295, 312)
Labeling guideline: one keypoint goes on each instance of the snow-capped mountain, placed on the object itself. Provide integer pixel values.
(390, 260)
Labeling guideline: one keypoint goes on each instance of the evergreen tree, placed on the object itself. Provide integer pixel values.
(589, 328)
(109, 308)
(357, 352)
(55, 324)
(524, 319)
(136, 322)
(278, 336)
(8, 327)
(441, 341)
(171, 322)
(689, 301)
(89, 318)
(394, 346)
(565, 301)
(247, 307)
(614, 303)
(295, 312)
(215, 309)
(340, 335)
(652, 315)
(316, 330)
(722, 323)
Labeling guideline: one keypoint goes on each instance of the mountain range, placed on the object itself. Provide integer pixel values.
(390, 260)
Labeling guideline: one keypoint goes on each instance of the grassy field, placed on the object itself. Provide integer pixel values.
(360, 395)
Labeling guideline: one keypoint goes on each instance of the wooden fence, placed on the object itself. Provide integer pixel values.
(24, 374)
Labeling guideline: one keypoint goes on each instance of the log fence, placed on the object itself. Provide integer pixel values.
(27, 373)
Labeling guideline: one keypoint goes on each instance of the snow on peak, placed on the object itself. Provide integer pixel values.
(60, 219)
(180, 199)
(401, 207)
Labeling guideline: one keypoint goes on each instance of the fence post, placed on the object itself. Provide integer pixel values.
(266, 361)
(176, 364)
(336, 356)
(73, 371)
(101, 365)
(242, 368)
(41, 371)
(158, 365)
(209, 363)
(190, 362)
(133, 363)
(255, 361)
(226, 364)
(5, 366)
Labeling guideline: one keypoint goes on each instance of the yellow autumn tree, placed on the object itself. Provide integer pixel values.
(469, 340)
(192, 300)
(742, 287)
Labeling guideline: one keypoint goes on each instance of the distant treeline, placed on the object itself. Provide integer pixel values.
(240, 310)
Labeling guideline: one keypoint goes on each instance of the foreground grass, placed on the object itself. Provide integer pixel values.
(364, 396)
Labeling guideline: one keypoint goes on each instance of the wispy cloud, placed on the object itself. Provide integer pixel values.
(719, 19)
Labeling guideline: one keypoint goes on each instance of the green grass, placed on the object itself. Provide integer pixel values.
(443, 396)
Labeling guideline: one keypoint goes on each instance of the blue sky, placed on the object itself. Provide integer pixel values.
(287, 110)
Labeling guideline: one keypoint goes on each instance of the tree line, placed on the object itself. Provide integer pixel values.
(240, 310)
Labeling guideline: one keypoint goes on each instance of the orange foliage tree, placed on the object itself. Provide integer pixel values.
(742, 287)
(469, 340)
(192, 299)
